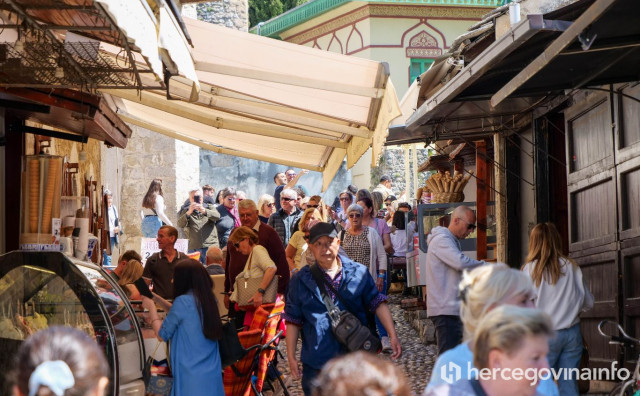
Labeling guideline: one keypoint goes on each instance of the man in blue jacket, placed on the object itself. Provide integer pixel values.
(306, 313)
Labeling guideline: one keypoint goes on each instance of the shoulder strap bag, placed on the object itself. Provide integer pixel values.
(346, 327)
(247, 287)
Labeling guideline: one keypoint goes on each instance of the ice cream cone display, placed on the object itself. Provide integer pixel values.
(447, 188)
(40, 199)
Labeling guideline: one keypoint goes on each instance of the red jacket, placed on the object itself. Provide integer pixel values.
(267, 237)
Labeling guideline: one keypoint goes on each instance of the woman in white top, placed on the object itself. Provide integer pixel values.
(152, 212)
(562, 294)
(399, 234)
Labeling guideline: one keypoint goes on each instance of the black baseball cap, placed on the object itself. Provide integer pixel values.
(322, 229)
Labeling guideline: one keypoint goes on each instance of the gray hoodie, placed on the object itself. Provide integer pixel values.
(445, 263)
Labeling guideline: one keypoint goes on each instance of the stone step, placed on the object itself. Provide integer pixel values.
(423, 326)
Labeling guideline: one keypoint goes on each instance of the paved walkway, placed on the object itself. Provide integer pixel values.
(417, 358)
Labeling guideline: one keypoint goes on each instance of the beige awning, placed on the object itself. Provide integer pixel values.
(273, 101)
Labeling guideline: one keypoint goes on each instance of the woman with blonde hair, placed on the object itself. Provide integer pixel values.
(131, 272)
(481, 291)
(563, 294)
(297, 243)
(316, 202)
(511, 343)
(266, 207)
(153, 208)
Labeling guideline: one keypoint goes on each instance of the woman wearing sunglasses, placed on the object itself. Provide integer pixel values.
(363, 245)
(259, 264)
(266, 207)
(369, 218)
(297, 244)
(316, 202)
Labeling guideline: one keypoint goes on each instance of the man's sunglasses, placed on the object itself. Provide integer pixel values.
(345, 199)
(288, 199)
(470, 226)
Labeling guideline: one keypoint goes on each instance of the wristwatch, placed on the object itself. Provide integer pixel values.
(261, 291)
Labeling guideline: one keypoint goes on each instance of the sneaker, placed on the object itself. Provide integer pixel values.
(386, 345)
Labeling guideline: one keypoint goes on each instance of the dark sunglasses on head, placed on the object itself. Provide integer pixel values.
(355, 215)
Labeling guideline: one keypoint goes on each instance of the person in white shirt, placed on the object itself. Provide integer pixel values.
(152, 213)
(384, 187)
(562, 294)
(114, 221)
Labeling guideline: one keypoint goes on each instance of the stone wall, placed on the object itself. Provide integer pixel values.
(392, 163)
(233, 14)
(150, 155)
(256, 177)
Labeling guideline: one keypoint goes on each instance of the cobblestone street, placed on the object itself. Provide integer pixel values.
(417, 358)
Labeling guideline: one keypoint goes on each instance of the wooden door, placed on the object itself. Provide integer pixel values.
(603, 153)
(628, 172)
(591, 186)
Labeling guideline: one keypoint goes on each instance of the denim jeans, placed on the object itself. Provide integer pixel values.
(565, 351)
(150, 226)
(308, 375)
(382, 332)
(448, 331)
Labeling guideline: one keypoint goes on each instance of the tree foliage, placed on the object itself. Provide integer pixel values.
(263, 10)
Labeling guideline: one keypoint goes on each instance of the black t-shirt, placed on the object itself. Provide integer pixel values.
(160, 271)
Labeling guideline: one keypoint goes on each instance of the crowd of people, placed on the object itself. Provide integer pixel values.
(324, 259)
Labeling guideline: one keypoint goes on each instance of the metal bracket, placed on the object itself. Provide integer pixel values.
(555, 25)
(586, 39)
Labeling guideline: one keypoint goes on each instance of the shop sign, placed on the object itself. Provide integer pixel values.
(150, 245)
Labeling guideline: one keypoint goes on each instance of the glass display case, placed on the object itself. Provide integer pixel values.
(429, 216)
(41, 289)
(439, 214)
